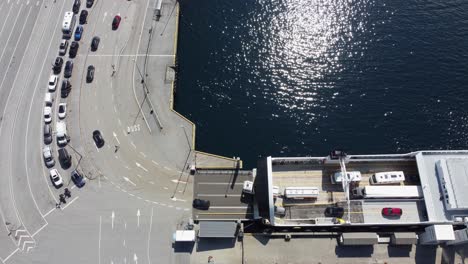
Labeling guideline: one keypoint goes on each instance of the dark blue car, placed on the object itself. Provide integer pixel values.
(78, 32)
(77, 178)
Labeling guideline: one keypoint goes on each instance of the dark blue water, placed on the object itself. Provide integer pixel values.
(302, 77)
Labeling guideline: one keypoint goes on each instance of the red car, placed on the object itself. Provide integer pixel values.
(116, 22)
(388, 211)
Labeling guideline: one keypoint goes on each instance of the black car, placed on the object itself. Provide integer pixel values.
(66, 88)
(47, 134)
(77, 179)
(201, 204)
(89, 3)
(334, 212)
(95, 43)
(64, 158)
(73, 49)
(83, 17)
(57, 66)
(98, 139)
(116, 22)
(90, 74)
(76, 6)
(68, 69)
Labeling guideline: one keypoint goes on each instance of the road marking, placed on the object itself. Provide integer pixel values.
(129, 55)
(115, 135)
(151, 182)
(97, 148)
(141, 167)
(115, 110)
(131, 194)
(135, 258)
(139, 175)
(177, 181)
(133, 144)
(118, 120)
(116, 157)
(178, 200)
(69, 203)
(9, 256)
(37, 3)
(165, 188)
(112, 217)
(6, 43)
(97, 121)
(99, 246)
(143, 154)
(138, 218)
(129, 181)
(51, 210)
(138, 197)
(167, 168)
(127, 167)
(155, 162)
(104, 17)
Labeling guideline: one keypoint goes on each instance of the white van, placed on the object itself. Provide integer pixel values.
(62, 136)
(48, 99)
(354, 176)
(388, 177)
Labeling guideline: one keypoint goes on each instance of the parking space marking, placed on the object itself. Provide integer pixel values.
(131, 142)
(69, 203)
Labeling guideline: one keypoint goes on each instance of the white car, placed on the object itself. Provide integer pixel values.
(62, 110)
(56, 178)
(53, 80)
(48, 158)
(47, 114)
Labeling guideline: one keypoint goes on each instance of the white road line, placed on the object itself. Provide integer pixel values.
(97, 148)
(149, 236)
(6, 45)
(151, 182)
(37, 3)
(104, 17)
(129, 55)
(139, 175)
(39, 230)
(143, 154)
(9, 256)
(131, 142)
(99, 245)
(115, 110)
(118, 120)
(166, 168)
(115, 135)
(155, 162)
(51, 210)
(140, 166)
(131, 194)
(116, 157)
(1, 31)
(69, 203)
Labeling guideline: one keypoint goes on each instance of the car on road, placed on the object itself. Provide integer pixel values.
(66, 88)
(334, 212)
(76, 6)
(73, 49)
(98, 139)
(53, 80)
(64, 158)
(201, 204)
(89, 3)
(78, 32)
(116, 22)
(47, 134)
(77, 179)
(63, 47)
(68, 69)
(57, 66)
(62, 110)
(95, 43)
(90, 74)
(392, 211)
(48, 158)
(47, 114)
(56, 178)
(83, 17)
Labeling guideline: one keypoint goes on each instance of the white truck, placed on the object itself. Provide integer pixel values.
(388, 192)
(62, 135)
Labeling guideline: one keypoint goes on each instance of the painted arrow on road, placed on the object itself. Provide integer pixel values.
(138, 217)
(141, 167)
(115, 135)
(129, 181)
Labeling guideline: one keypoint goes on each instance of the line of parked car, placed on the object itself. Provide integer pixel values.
(65, 158)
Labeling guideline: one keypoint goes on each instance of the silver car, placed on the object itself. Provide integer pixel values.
(48, 158)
